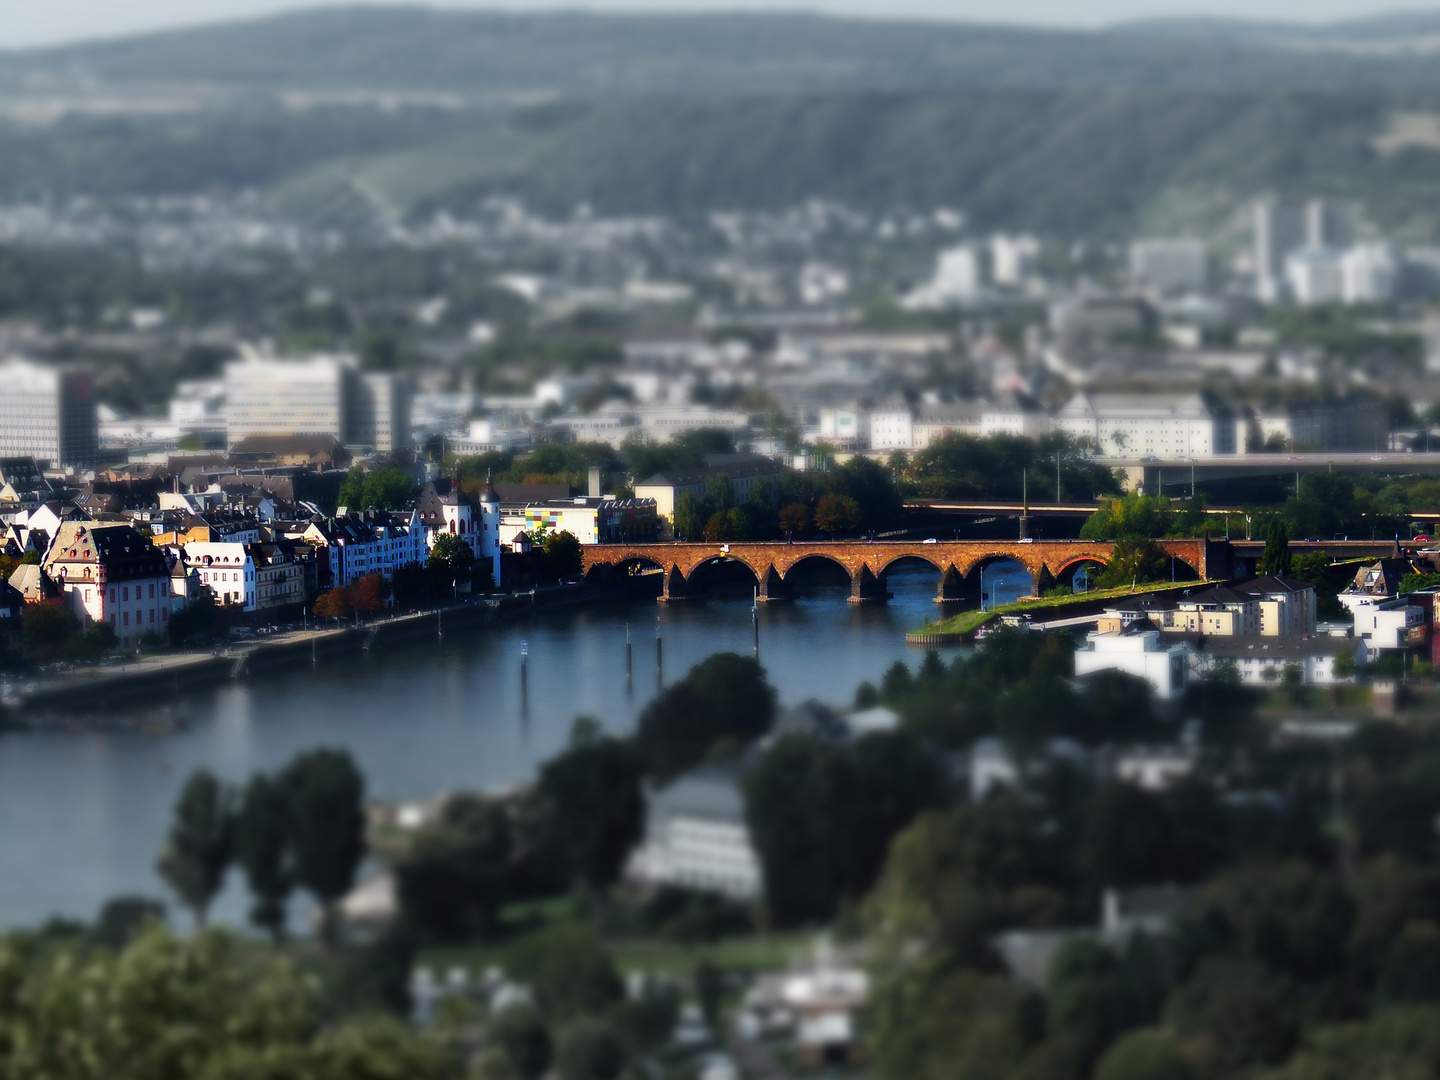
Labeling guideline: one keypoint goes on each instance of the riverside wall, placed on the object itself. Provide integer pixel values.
(96, 690)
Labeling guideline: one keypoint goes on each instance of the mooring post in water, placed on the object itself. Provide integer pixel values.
(439, 624)
(524, 679)
(628, 656)
(755, 622)
(659, 663)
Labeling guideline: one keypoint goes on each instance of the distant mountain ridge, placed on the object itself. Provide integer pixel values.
(589, 55)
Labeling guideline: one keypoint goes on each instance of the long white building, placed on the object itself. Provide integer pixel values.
(1138, 426)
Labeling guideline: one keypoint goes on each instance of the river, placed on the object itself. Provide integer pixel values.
(83, 814)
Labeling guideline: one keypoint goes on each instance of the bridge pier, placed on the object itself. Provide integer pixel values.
(773, 588)
(676, 590)
(866, 588)
(952, 587)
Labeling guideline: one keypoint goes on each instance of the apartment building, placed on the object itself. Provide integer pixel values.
(48, 413)
(111, 574)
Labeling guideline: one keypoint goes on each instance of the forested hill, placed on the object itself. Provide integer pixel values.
(1152, 127)
(577, 54)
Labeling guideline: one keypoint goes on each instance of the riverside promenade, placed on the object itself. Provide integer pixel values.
(95, 689)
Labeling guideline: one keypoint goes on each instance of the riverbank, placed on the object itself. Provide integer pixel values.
(961, 628)
(41, 702)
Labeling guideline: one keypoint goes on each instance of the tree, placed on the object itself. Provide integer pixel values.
(1127, 837)
(1134, 559)
(1249, 1014)
(688, 517)
(717, 527)
(569, 972)
(1133, 515)
(352, 490)
(454, 556)
(201, 842)
(589, 1050)
(837, 514)
(795, 519)
(1144, 1055)
(387, 488)
(1276, 557)
(523, 1040)
(563, 555)
(723, 698)
(453, 878)
(791, 801)
(593, 791)
(368, 596)
(336, 603)
(44, 628)
(166, 1007)
(263, 848)
(325, 807)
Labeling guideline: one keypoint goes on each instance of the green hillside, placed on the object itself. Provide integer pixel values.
(1073, 162)
(595, 55)
(1159, 127)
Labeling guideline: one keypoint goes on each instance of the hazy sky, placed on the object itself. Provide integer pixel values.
(29, 23)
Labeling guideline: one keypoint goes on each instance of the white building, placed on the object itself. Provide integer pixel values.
(1315, 276)
(1013, 259)
(956, 281)
(48, 413)
(274, 396)
(316, 395)
(1162, 662)
(227, 570)
(1369, 274)
(357, 545)
(1262, 661)
(1179, 265)
(1138, 426)
(892, 426)
(696, 837)
(111, 574)
(1393, 625)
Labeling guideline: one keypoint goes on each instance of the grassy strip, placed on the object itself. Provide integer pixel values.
(968, 621)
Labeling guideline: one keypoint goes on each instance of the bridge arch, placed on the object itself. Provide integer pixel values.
(810, 561)
(719, 571)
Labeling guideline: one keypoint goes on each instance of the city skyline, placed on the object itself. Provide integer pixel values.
(75, 21)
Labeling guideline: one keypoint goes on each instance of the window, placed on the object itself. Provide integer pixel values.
(127, 618)
(152, 615)
(152, 592)
(126, 591)
(112, 594)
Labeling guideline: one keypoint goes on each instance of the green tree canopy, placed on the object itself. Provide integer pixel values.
(325, 809)
(262, 843)
(723, 698)
(201, 842)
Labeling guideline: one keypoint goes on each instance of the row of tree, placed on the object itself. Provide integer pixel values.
(304, 827)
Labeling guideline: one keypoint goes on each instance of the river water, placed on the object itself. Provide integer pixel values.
(83, 814)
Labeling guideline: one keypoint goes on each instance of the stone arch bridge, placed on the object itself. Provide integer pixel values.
(867, 563)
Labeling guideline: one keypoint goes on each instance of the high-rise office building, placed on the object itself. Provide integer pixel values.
(1279, 230)
(382, 415)
(48, 413)
(318, 395)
